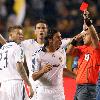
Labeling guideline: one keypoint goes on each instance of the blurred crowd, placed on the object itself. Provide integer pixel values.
(65, 15)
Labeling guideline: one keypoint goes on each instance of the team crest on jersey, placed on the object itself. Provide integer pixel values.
(60, 58)
(87, 57)
(53, 55)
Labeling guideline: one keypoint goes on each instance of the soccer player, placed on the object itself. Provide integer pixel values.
(47, 69)
(98, 82)
(88, 62)
(11, 67)
(34, 45)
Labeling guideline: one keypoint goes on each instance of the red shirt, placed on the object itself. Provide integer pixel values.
(88, 64)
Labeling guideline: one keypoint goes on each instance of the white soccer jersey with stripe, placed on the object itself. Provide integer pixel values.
(53, 77)
(10, 54)
(30, 47)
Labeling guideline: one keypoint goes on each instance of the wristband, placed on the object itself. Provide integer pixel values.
(74, 42)
(88, 22)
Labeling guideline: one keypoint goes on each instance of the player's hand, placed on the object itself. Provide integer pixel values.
(47, 68)
(86, 14)
(31, 92)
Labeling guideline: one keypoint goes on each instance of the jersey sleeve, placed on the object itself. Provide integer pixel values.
(27, 43)
(18, 54)
(36, 62)
(65, 42)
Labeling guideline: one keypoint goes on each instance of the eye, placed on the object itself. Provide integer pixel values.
(43, 27)
(38, 27)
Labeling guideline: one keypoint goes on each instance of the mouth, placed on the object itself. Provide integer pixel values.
(41, 33)
(21, 38)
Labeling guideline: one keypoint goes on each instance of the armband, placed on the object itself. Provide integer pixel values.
(74, 42)
(88, 22)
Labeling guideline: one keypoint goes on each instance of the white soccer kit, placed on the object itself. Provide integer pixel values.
(11, 81)
(50, 85)
(30, 47)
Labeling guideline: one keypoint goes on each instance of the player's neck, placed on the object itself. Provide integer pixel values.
(39, 41)
(50, 49)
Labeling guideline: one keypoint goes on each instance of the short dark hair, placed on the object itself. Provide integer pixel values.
(11, 28)
(50, 34)
(40, 21)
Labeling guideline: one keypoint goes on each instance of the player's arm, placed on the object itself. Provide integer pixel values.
(44, 69)
(2, 40)
(75, 65)
(25, 66)
(22, 72)
(71, 47)
(37, 69)
(19, 59)
(68, 73)
(71, 50)
(94, 36)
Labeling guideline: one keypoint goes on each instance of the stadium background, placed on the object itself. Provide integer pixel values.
(62, 14)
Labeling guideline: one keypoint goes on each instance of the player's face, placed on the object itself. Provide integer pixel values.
(87, 38)
(17, 35)
(41, 30)
(57, 40)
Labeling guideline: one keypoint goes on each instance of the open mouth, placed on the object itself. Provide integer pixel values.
(41, 33)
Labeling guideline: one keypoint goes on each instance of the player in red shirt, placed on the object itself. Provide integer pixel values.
(88, 62)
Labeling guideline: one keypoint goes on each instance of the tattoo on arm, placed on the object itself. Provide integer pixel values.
(22, 72)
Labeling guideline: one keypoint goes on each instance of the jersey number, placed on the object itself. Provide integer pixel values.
(3, 60)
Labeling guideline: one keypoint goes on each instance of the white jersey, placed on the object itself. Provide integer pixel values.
(30, 47)
(53, 77)
(51, 83)
(60, 52)
(10, 54)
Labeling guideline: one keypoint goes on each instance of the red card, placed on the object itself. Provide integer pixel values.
(84, 6)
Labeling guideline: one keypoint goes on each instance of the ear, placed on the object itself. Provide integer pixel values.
(10, 34)
(50, 40)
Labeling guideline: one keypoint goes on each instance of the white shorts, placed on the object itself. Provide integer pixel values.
(12, 90)
(49, 94)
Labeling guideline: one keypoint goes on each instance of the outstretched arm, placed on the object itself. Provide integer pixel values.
(94, 36)
(2, 40)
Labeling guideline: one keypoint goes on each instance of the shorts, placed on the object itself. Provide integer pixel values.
(12, 90)
(49, 94)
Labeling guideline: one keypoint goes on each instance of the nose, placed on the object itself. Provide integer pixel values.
(41, 29)
(83, 36)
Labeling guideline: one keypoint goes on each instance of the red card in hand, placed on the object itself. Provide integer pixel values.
(84, 6)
